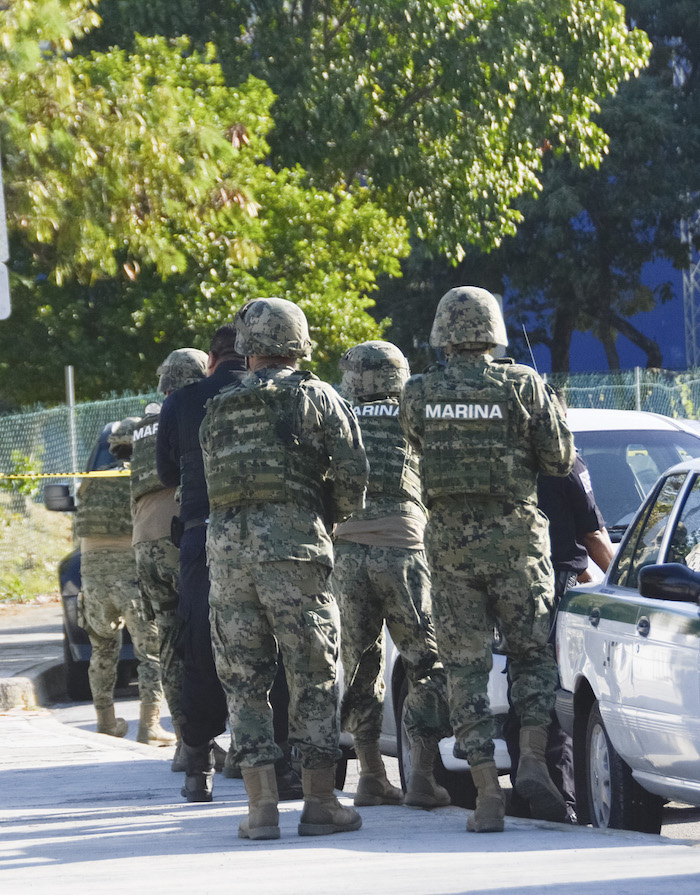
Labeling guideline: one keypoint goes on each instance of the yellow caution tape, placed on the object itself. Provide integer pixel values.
(97, 474)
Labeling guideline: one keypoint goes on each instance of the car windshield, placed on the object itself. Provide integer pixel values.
(625, 464)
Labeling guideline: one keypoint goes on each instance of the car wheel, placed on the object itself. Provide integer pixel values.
(77, 681)
(459, 784)
(615, 799)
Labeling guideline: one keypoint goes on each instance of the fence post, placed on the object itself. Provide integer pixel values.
(70, 400)
(638, 387)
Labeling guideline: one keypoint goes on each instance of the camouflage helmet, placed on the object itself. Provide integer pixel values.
(181, 367)
(373, 369)
(122, 434)
(468, 316)
(274, 327)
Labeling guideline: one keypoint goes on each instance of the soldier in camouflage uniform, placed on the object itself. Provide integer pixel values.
(284, 460)
(157, 558)
(485, 429)
(381, 574)
(111, 596)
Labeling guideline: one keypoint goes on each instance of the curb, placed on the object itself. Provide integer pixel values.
(42, 688)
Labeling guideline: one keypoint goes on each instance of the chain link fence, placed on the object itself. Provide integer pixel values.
(60, 439)
(55, 441)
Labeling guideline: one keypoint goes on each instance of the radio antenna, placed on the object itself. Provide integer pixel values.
(529, 348)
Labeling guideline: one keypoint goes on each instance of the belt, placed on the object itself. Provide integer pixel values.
(194, 523)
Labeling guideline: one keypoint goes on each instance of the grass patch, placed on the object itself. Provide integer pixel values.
(32, 543)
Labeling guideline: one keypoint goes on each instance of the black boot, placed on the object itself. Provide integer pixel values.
(199, 764)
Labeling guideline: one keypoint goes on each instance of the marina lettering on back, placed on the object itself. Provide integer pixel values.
(464, 412)
(145, 431)
(376, 410)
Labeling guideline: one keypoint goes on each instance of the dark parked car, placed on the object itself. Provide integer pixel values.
(76, 644)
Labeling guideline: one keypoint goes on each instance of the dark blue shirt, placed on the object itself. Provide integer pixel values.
(569, 504)
(178, 452)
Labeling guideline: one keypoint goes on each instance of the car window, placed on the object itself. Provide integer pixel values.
(684, 546)
(624, 465)
(644, 542)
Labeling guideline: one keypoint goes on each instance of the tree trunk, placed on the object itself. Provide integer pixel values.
(560, 345)
(649, 346)
(607, 337)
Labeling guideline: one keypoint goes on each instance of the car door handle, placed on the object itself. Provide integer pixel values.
(643, 626)
(594, 617)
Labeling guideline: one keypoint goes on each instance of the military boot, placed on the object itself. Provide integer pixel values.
(532, 780)
(323, 813)
(219, 755)
(109, 724)
(373, 787)
(423, 791)
(230, 768)
(199, 772)
(263, 817)
(289, 786)
(150, 732)
(178, 763)
(490, 801)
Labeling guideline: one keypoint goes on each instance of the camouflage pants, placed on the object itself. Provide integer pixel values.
(158, 568)
(376, 584)
(112, 599)
(254, 607)
(492, 568)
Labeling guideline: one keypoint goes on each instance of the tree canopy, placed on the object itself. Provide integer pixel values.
(441, 106)
(143, 210)
(190, 154)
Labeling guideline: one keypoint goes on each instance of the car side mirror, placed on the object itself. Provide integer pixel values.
(59, 499)
(670, 581)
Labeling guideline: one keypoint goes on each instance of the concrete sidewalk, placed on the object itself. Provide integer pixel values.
(80, 811)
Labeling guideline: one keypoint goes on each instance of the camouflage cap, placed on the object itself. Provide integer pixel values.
(274, 327)
(181, 367)
(373, 369)
(122, 433)
(468, 316)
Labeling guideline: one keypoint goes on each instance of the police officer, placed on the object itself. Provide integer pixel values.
(179, 464)
(485, 429)
(157, 558)
(111, 596)
(284, 460)
(381, 574)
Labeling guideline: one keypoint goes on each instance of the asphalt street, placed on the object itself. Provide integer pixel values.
(81, 812)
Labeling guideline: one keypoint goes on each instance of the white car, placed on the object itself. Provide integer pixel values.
(629, 663)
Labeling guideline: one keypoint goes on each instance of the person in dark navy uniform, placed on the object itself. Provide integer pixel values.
(179, 463)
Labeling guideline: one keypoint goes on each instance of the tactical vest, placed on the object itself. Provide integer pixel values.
(104, 508)
(252, 450)
(475, 440)
(144, 474)
(393, 465)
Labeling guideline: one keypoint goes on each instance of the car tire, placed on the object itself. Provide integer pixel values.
(615, 799)
(459, 784)
(77, 680)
